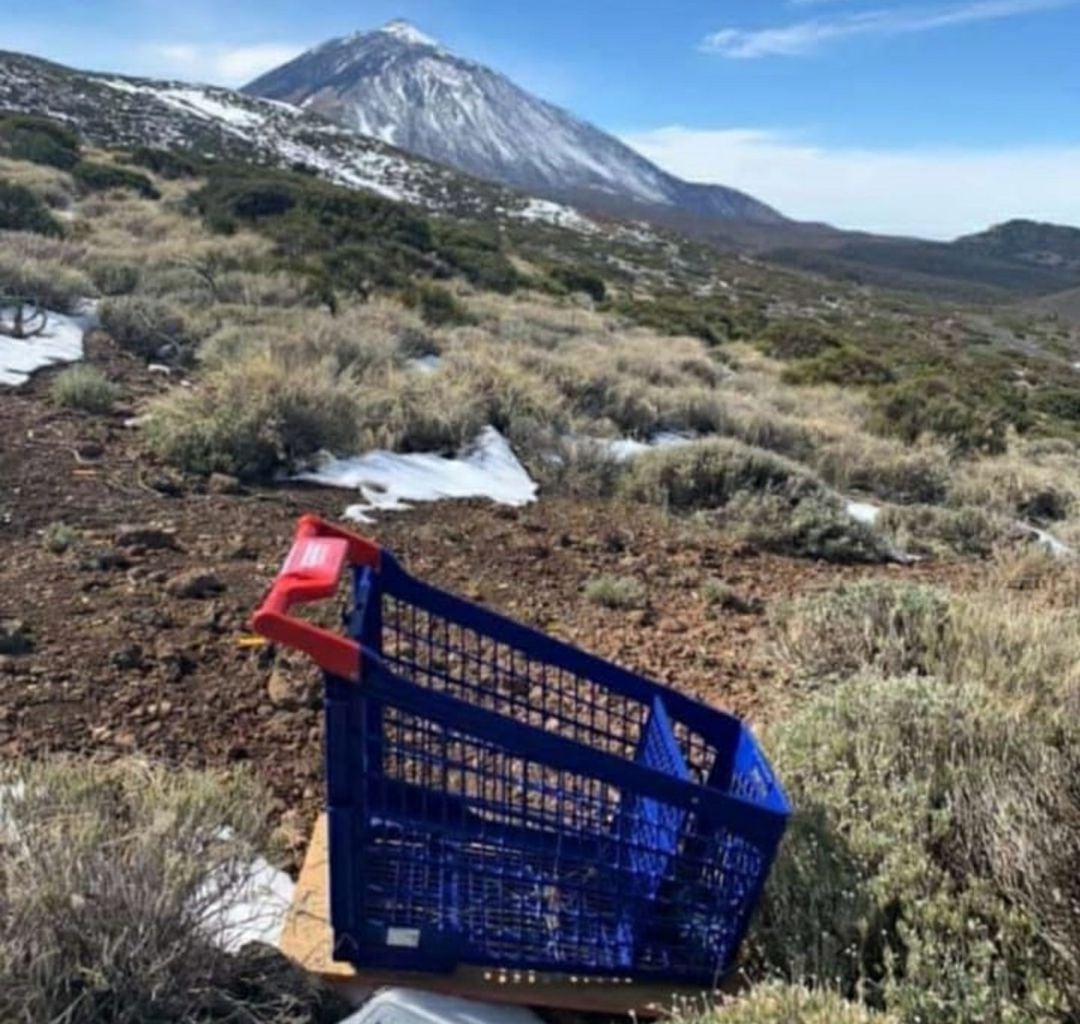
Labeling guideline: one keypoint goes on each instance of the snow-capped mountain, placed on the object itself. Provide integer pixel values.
(401, 86)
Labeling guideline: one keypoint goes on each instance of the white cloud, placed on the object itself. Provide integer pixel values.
(219, 65)
(804, 37)
(928, 193)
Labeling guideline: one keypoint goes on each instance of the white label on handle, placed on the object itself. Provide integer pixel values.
(403, 938)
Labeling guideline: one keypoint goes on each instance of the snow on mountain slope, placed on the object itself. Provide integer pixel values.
(398, 85)
(218, 123)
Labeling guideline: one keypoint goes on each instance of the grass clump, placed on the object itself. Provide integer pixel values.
(709, 474)
(794, 338)
(164, 163)
(616, 592)
(113, 277)
(930, 867)
(22, 210)
(438, 306)
(254, 419)
(147, 328)
(844, 365)
(84, 388)
(111, 883)
(39, 141)
(885, 468)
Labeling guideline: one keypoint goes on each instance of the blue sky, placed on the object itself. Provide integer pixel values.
(928, 117)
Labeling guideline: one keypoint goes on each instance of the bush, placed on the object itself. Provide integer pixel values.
(95, 177)
(930, 867)
(437, 305)
(59, 538)
(888, 628)
(709, 474)
(798, 339)
(113, 277)
(886, 469)
(111, 877)
(253, 420)
(844, 365)
(618, 592)
(777, 1003)
(38, 141)
(85, 388)
(21, 210)
(55, 286)
(935, 532)
(164, 163)
(578, 279)
(816, 526)
(148, 328)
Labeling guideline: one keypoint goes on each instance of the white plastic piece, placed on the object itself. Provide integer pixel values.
(411, 1006)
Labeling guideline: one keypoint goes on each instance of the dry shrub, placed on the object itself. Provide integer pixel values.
(930, 868)
(709, 474)
(817, 526)
(54, 285)
(148, 328)
(1010, 485)
(887, 469)
(26, 245)
(779, 1003)
(255, 419)
(111, 883)
(930, 530)
(86, 388)
(52, 186)
(616, 592)
(877, 625)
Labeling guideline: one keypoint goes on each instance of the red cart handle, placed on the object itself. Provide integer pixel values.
(312, 572)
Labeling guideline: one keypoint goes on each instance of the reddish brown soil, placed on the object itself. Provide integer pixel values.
(119, 666)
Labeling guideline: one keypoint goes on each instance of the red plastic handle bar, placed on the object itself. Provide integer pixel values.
(312, 572)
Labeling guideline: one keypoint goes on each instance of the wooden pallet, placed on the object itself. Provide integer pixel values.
(308, 939)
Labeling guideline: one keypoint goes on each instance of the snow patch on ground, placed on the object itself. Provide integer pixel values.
(62, 342)
(547, 212)
(623, 449)
(424, 364)
(1057, 548)
(864, 512)
(202, 103)
(389, 481)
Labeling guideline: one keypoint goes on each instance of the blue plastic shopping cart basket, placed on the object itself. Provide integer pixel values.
(499, 798)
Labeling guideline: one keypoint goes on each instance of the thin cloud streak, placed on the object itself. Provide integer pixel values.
(805, 37)
(923, 193)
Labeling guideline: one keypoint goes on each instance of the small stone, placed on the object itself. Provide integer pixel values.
(149, 538)
(194, 584)
(129, 658)
(105, 560)
(90, 450)
(7, 665)
(222, 483)
(169, 484)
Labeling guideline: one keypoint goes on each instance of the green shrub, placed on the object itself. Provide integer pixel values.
(437, 305)
(880, 626)
(39, 141)
(164, 163)
(113, 277)
(798, 339)
(930, 867)
(844, 365)
(111, 877)
(578, 279)
(253, 420)
(709, 474)
(56, 286)
(961, 414)
(84, 387)
(713, 320)
(815, 526)
(148, 328)
(95, 177)
(21, 210)
(58, 538)
(617, 592)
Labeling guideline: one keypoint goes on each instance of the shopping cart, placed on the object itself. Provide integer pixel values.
(500, 799)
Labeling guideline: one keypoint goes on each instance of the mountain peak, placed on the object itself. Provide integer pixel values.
(407, 32)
